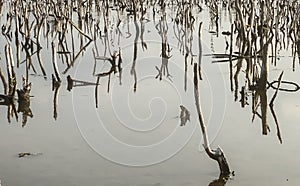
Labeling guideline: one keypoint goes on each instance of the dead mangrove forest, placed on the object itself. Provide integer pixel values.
(49, 38)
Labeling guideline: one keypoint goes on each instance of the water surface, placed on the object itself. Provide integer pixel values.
(130, 133)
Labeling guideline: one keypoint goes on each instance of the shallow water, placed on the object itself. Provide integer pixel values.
(134, 137)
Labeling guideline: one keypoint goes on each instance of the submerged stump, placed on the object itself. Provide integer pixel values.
(24, 102)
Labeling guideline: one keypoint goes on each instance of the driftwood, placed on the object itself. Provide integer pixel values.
(217, 154)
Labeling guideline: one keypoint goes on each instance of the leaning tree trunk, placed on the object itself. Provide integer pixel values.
(217, 154)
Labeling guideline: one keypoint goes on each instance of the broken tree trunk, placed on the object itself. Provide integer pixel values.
(217, 154)
(24, 101)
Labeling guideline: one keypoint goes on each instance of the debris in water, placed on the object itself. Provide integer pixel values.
(184, 115)
(24, 154)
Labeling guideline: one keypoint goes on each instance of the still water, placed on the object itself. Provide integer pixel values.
(121, 124)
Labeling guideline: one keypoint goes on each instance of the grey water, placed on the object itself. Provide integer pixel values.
(126, 130)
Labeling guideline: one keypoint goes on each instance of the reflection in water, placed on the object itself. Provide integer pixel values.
(200, 50)
(61, 26)
(24, 102)
(137, 33)
(11, 107)
(272, 108)
(9, 90)
(55, 88)
(56, 81)
(78, 83)
(261, 89)
(76, 57)
(298, 51)
(256, 36)
(116, 67)
(162, 28)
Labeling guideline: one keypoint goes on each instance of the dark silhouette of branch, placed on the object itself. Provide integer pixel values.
(271, 105)
(217, 154)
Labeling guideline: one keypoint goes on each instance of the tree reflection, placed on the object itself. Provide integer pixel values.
(257, 34)
(162, 28)
(11, 107)
(257, 37)
(24, 102)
